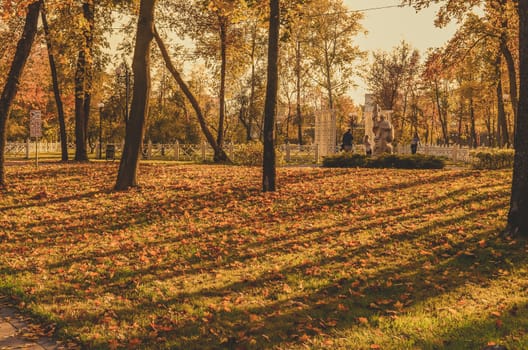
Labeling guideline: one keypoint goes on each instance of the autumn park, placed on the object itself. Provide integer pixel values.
(198, 174)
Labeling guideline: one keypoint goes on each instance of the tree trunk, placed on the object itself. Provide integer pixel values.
(56, 87)
(83, 82)
(81, 153)
(441, 116)
(10, 90)
(404, 114)
(270, 105)
(220, 157)
(489, 123)
(472, 120)
(89, 14)
(510, 62)
(329, 86)
(299, 117)
(459, 127)
(243, 117)
(501, 112)
(194, 102)
(518, 214)
(433, 124)
(252, 113)
(512, 77)
(135, 128)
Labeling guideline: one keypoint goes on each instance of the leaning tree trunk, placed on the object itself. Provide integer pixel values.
(270, 105)
(56, 87)
(518, 214)
(135, 128)
(512, 77)
(510, 62)
(15, 72)
(194, 102)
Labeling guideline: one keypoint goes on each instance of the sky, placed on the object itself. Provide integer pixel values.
(387, 27)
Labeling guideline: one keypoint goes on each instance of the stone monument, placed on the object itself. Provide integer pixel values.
(369, 110)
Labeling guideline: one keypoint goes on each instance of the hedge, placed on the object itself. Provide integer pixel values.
(493, 158)
(398, 161)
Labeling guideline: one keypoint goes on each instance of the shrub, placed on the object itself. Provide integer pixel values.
(493, 158)
(345, 160)
(250, 154)
(416, 161)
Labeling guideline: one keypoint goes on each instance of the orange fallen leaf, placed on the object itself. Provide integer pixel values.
(134, 342)
(498, 323)
(363, 320)
(254, 318)
(342, 307)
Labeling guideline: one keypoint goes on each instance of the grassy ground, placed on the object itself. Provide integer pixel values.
(199, 258)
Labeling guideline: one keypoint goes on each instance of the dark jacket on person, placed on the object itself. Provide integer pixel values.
(347, 139)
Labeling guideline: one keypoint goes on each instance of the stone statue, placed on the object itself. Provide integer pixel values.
(383, 135)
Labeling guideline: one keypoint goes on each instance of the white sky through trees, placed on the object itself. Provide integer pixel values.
(387, 26)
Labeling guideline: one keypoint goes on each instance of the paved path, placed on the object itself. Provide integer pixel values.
(18, 332)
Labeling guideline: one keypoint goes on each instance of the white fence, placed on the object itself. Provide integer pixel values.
(28, 148)
(290, 153)
(455, 153)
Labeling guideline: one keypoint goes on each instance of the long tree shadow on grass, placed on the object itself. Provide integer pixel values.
(289, 317)
(485, 329)
(157, 210)
(149, 207)
(330, 301)
(326, 301)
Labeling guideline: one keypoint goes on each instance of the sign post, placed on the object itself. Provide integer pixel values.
(35, 129)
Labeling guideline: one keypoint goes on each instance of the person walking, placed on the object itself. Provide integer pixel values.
(414, 143)
(348, 139)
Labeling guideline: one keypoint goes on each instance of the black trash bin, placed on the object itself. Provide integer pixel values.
(110, 152)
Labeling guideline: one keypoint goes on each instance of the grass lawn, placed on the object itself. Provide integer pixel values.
(199, 258)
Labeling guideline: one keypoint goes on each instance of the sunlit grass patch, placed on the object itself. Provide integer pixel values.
(198, 257)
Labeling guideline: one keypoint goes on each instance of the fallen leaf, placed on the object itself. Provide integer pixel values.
(363, 320)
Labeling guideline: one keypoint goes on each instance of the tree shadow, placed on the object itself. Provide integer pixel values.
(312, 282)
